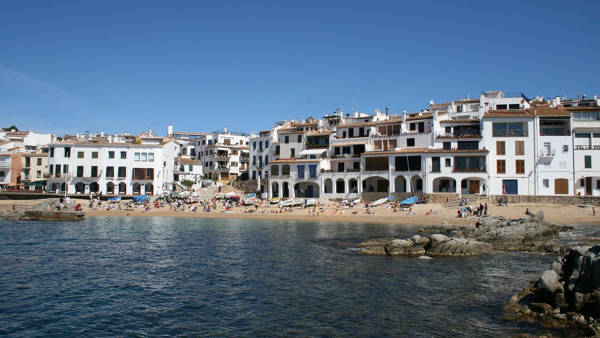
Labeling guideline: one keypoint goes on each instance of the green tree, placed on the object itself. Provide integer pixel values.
(187, 183)
(11, 128)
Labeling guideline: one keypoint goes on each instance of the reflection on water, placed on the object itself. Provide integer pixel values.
(169, 276)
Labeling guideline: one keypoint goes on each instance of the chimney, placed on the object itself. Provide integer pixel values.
(225, 130)
(387, 111)
(169, 131)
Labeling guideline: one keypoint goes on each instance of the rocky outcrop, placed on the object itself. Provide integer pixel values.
(434, 245)
(565, 296)
(529, 233)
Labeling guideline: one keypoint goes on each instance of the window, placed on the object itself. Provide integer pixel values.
(79, 171)
(448, 130)
(285, 170)
(67, 151)
(299, 138)
(51, 152)
(588, 161)
(410, 142)
(413, 126)
(509, 129)
(565, 148)
(448, 162)
(110, 171)
(292, 153)
(408, 163)
(377, 144)
(123, 155)
(150, 157)
(376, 163)
(144, 157)
(500, 149)
(514, 106)
(253, 160)
(275, 170)
(546, 183)
(470, 145)
(111, 154)
(122, 172)
(356, 166)
(586, 116)
(38, 174)
(341, 167)
(435, 164)
(266, 144)
(65, 169)
(254, 147)
(80, 154)
(520, 166)
(94, 154)
(501, 107)
(2, 173)
(519, 147)
(312, 170)
(94, 171)
(300, 171)
(136, 157)
(190, 168)
(459, 108)
(500, 167)
(277, 150)
(39, 161)
(447, 145)
(286, 140)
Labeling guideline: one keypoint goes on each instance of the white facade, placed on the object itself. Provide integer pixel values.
(111, 168)
(224, 156)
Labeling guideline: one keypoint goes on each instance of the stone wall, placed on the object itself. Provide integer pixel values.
(546, 199)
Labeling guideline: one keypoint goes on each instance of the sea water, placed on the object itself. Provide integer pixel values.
(109, 276)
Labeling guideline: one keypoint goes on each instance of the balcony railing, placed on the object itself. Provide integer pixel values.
(469, 170)
(595, 147)
(554, 131)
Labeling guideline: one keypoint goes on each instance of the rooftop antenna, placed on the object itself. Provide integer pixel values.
(387, 110)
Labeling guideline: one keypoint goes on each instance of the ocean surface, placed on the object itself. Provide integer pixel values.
(232, 277)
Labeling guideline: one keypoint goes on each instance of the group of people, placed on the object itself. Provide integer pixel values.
(466, 211)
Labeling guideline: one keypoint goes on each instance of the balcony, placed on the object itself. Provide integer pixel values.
(545, 152)
(555, 131)
(595, 147)
(469, 170)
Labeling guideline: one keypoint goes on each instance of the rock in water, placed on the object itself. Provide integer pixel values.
(567, 295)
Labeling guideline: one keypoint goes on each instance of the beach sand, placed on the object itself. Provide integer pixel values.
(554, 213)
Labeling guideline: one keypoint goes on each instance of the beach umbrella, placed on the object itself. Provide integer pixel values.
(141, 198)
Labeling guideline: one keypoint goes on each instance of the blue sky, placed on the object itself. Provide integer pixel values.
(134, 65)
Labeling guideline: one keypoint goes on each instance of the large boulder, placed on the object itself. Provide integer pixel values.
(570, 288)
(457, 247)
(434, 245)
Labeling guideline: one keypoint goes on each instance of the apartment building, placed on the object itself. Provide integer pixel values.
(500, 143)
(33, 168)
(224, 155)
(112, 166)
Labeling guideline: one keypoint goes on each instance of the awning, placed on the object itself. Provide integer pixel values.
(312, 152)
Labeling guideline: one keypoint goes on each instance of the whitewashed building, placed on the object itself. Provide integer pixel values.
(112, 168)
(224, 156)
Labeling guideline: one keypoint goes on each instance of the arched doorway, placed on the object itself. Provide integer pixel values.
(80, 188)
(275, 189)
(53, 187)
(110, 188)
(63, 187)
(416, 184)
(444, 184)
(149, 189)
(94, 187)
(353, 186)
(328, 186)
(306, 189)
(285, 190)
(376, 184)
(340, 186)
(122, 188)
(136, 188)
(400, 184)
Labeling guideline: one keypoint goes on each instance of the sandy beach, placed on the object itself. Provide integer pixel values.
(423, 214)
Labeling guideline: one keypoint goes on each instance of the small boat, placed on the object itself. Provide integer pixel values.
(250, 201)
(297, 203)
(114, 199)
(310, 202)
(286, 203)
(141, 198)
(275, 200)
(379, 202)
(409, 201)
